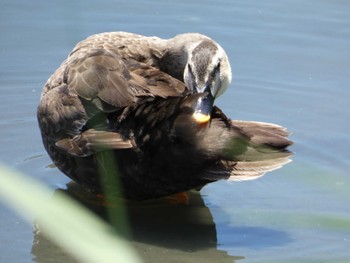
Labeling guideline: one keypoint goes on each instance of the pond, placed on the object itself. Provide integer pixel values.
(290, 62)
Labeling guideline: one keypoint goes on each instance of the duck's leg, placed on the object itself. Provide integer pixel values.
(178, 198)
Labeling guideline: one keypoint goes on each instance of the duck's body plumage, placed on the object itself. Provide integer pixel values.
(122, 97)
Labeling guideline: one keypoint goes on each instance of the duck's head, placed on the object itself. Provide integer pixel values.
(207, 70)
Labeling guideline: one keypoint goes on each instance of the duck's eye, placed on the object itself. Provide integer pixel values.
(190, 69)
(216, 69)
(218, 66)
(215, 72)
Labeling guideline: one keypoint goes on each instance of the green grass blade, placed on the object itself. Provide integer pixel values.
(65, 222)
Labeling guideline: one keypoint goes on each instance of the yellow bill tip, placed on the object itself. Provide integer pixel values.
(201, 118)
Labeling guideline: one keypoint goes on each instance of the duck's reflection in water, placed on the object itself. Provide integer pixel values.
(160, 231)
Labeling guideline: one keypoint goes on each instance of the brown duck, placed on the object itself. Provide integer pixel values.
(135, 114)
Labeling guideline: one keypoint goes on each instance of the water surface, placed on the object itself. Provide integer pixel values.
(290, 64)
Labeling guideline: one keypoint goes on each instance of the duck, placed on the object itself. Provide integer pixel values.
(134, 116)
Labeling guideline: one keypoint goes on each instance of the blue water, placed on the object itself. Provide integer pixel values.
(290, 62)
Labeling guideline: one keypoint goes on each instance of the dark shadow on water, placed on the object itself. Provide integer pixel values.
(164, 232)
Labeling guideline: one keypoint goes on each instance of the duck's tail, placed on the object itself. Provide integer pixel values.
(267, 150)
(248, 149)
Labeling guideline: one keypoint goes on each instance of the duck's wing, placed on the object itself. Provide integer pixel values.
(267, 151)
(95, 84)
(111, 82)
(247, 149)
(250, 170)
(262, 133)
(91, 141)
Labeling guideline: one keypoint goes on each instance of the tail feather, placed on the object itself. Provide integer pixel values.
(262, 133)
(251, 170)
(250, 149)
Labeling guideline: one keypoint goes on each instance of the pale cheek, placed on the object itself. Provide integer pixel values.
(187, 79)
(225, 82)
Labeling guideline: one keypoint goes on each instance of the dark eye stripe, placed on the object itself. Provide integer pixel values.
(215, 71)
(192, 77)
(190, 69)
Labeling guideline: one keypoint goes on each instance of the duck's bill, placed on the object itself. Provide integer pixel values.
(203, 109)
(201, 118)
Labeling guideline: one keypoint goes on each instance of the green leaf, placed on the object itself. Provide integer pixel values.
(64, 221)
